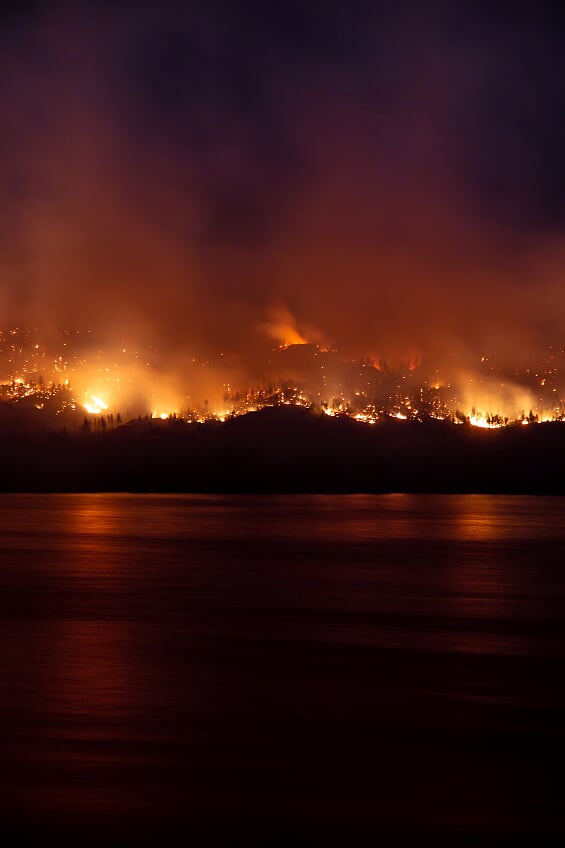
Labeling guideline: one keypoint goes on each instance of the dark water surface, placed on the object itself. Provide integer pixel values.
(271, 666)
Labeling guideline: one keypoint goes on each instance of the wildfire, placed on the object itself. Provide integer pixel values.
(291, 337)
(95, 405)
(283, 329)
(73, 372)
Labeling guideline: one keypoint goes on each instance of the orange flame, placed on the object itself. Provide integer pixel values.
(283, 329)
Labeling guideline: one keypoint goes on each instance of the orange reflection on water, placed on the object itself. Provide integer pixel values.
(97, 515)
(91, 676)
(479, 518)
(91, 700)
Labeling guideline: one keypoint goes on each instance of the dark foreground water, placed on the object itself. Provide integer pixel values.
(389, 666)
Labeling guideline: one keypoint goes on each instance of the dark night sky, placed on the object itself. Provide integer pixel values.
(389, 174)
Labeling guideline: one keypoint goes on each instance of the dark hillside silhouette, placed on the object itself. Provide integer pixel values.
(287, 449)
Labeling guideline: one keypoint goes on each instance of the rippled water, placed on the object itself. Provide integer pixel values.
(384, 665)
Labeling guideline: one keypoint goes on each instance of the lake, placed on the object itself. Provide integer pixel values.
(386, 665)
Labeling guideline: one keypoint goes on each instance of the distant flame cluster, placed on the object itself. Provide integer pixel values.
(282, 328)
(95, 405)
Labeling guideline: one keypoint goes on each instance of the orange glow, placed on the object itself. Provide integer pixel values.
(95, 405)
(291, 337)
(282, 328)
(479, 419)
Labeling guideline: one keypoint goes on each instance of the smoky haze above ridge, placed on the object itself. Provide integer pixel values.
(388, 178)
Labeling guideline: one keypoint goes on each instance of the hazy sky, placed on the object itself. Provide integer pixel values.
(387, 176)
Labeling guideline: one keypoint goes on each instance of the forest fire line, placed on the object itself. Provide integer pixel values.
(357, 407)
(82, 377)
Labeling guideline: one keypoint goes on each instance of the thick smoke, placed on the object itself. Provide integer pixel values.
(389, 181)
